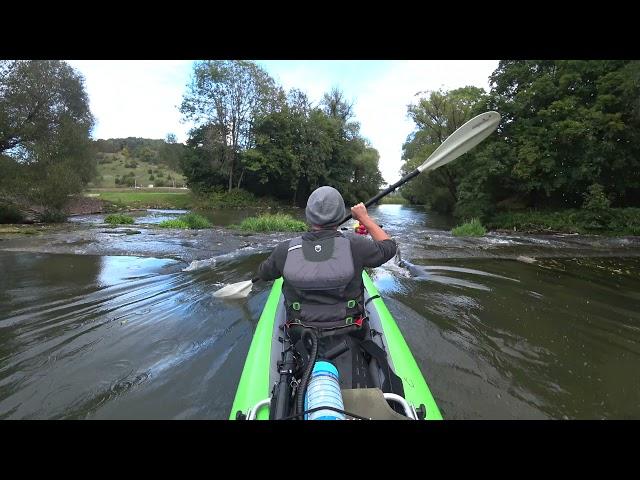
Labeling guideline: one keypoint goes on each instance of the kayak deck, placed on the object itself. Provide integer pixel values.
(260, 371)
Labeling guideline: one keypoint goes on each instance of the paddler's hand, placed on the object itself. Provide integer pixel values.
(359, 212)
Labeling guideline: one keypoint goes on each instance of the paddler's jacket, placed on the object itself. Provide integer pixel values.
(322, 273)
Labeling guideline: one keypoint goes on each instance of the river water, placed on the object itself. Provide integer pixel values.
(506, 326)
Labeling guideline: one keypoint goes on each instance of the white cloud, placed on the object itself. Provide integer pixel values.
(381, 106)
(136, 98)
(314, 82)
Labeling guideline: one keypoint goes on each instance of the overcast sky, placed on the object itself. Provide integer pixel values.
(135, 98)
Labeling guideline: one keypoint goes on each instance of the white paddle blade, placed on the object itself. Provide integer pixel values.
(235, 290)
(462, 140)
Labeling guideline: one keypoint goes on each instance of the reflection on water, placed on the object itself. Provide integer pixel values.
(563, 340)
(118, 337)
(409, 218)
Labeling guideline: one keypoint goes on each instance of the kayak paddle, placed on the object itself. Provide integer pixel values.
(458, 143)
(236, 290)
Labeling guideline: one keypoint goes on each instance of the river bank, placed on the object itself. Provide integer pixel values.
(605, 221)
(89, 235)
(139, 240)
(125, 200)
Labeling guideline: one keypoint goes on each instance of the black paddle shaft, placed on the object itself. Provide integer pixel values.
(373, 200)
(386, 191)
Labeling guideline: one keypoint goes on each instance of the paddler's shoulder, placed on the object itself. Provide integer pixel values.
(314, 235)
(356, 239)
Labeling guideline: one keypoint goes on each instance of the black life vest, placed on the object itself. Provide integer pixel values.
(318, 273)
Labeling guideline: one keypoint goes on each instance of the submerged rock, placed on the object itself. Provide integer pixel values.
(120, 231)
(525, 259)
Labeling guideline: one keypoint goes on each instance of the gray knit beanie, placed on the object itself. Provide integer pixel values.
(325, 207)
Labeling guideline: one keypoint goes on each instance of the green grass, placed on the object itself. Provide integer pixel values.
(107, 172)
(123, 198)
(146, 199)
(118, 219)
(22, 231)
(272, 223)
(536, 221)
(175, 223)
(191, 220)
(472, 228)
(196, 221)
(608, 221)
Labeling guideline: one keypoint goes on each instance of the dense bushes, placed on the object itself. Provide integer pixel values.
(569, 139)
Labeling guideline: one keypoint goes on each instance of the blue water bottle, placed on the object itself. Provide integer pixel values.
(324, 391)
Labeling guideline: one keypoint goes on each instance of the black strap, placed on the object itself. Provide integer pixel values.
(371, 298)
(322, 331)
(392, 382)
(294, 317)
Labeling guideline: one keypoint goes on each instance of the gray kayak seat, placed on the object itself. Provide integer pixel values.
(369, 403)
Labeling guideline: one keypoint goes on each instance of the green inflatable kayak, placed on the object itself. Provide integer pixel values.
(379, 378)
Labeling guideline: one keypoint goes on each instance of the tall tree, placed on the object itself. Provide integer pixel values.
(203, 162)
(437, 116)
(45, 123)
(301, 147)
(336, 105)
(228, 95)
(570, 124)
(569, 128)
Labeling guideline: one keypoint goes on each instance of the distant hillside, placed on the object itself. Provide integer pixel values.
(124, 162)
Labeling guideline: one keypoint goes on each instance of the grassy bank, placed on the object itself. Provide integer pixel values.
(272, 223)
(169, 198)
(473, 228)
(192, 221)
(128, 198)
(18, 230)
(611, 221)
(118, 219)
(115, 169)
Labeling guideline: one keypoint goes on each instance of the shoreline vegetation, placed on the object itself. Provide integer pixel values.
(118, 219)
(271, 223)
(191, 221)
(180, 199)
(608, 221)
(472, 228)
(566, 159)
(600, 220)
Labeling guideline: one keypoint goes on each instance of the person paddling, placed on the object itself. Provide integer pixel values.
(322, 269)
